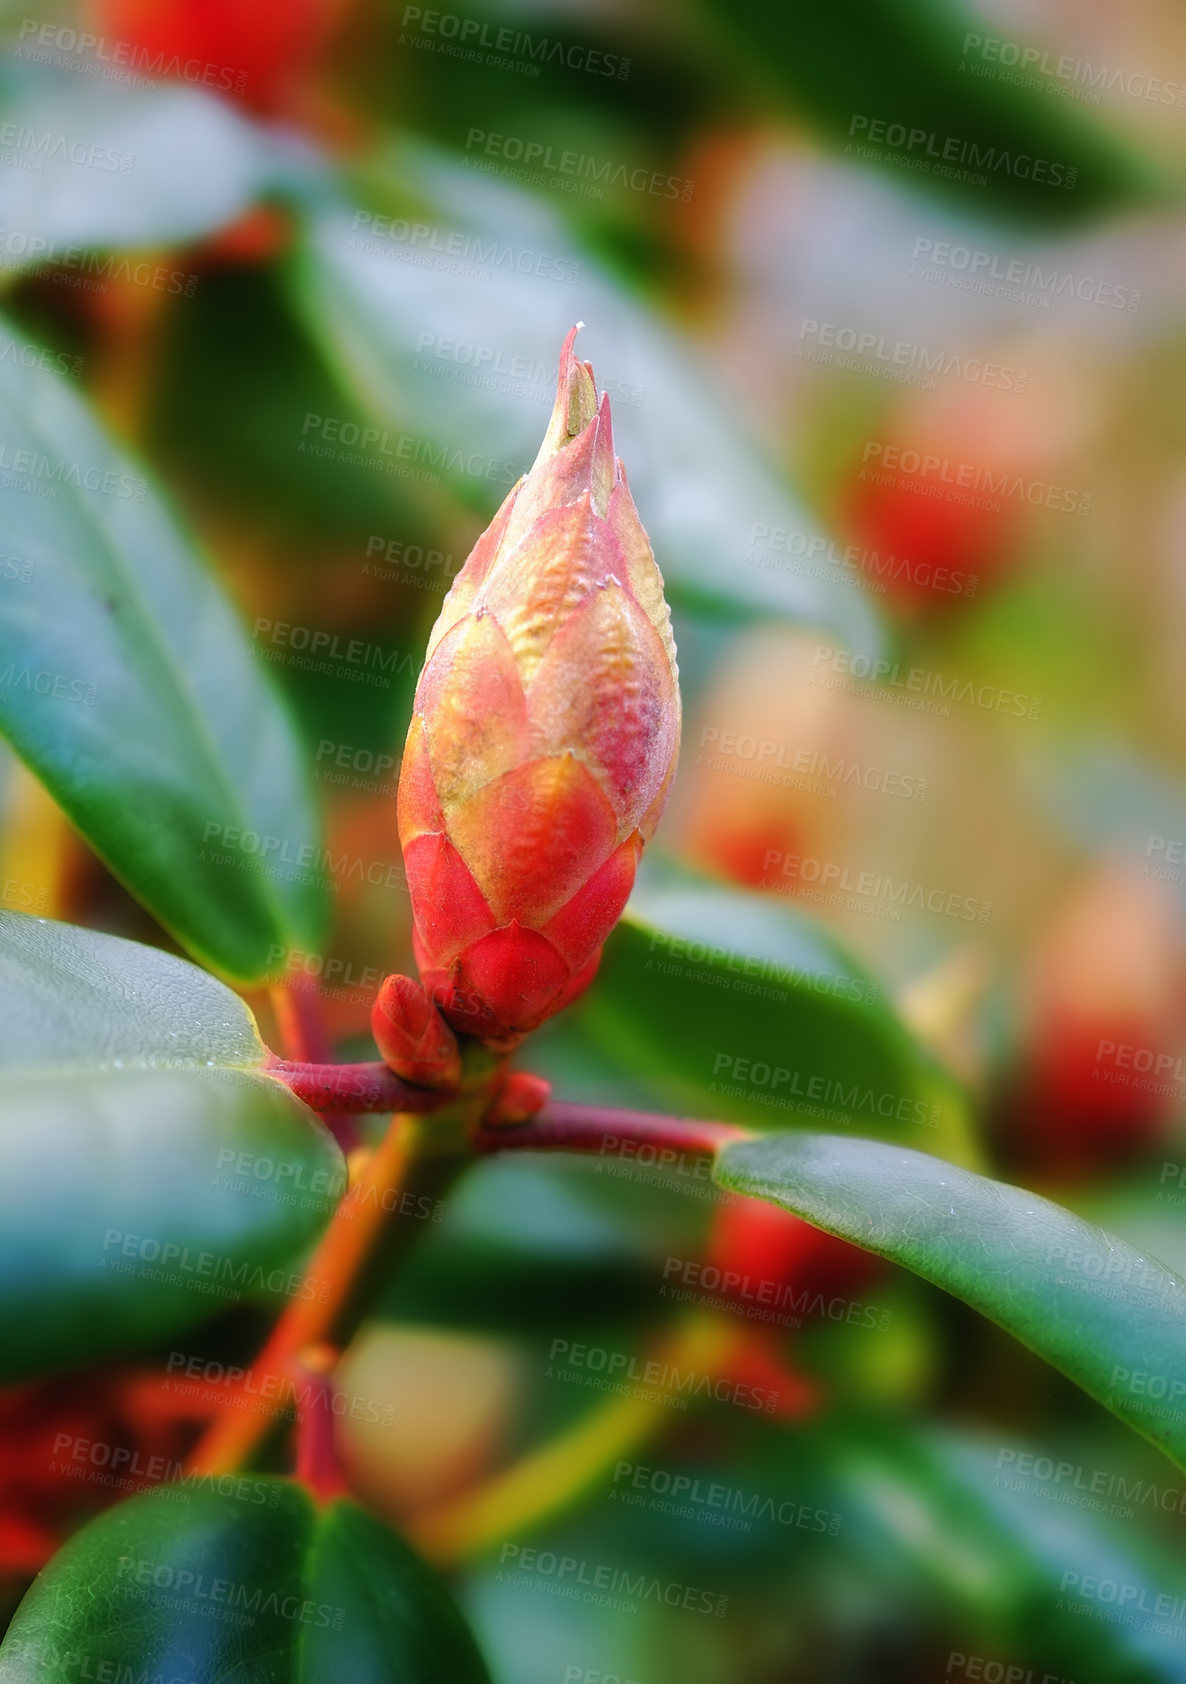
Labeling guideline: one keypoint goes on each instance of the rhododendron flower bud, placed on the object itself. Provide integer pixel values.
(544, 735)
(412, 1036)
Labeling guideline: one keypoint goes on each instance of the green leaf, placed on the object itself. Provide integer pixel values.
(238, 1578)
(379, 311)
(122, 168)
(150, 1173)
(128, 685)
(523, 1247)
(1110, 1317)
(942, 98)
(947, 1528)
(738, 1006)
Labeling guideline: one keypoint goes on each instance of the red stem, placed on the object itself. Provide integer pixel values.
(562, 1126)
(317, 1464)
(348, 1089)
(303, 1034)
(302, 1028)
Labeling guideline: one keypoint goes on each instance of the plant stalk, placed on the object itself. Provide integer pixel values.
(352, 1089)
(563, 1126)
(552, 1476)
(397, 1188)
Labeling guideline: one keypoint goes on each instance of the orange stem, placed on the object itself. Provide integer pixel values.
(352, 1232)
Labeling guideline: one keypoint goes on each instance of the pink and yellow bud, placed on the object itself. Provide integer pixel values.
(544, 735)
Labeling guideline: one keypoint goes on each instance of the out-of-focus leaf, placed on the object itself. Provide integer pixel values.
(868, 1536)
(119, 166)
(565, 1054)
(237, 379)
(504, 1606)
(517, 1293)
(1110, 1317)
(737, 1006)
(521, 1247)
(239, 1578)
(1143, 1206)
(150, 1173)
(941, 1522)
(1111, 796)
(483, 266)
(129, 687)
(956, 123)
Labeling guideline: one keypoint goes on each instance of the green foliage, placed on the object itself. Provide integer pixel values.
(1018, 152)
(1109, 1316)
(153, 1175)
(131, 1086)
(142, 708)
(737, 1006)
(239, 1577)
(142, 192)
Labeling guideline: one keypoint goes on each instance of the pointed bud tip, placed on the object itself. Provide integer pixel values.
(576, 399)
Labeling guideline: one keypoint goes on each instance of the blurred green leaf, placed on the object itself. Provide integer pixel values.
(116, 167)
(512, 287)
(850, 65)
(532, 1644)
(1110, 1317)
(515, 1292)
(239, 1578)
(1142, 1205)
(132, 1088)
(869, 1540)
(930, 1516)
(236, 379)
(741, 1006)
(521, 1248)
(565, 1054)
(129, 687)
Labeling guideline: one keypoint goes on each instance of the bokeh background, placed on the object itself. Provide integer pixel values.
(889, 304)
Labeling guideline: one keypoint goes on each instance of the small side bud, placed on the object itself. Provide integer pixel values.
(517, 1100)
(412, 1037)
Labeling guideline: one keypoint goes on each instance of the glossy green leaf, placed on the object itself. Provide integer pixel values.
(129, 686)
(381, 306)
(238, 1578)
(118, 167)
(1110, 1317)
(150, 1173)
(1036, 156)
(739, 1006)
